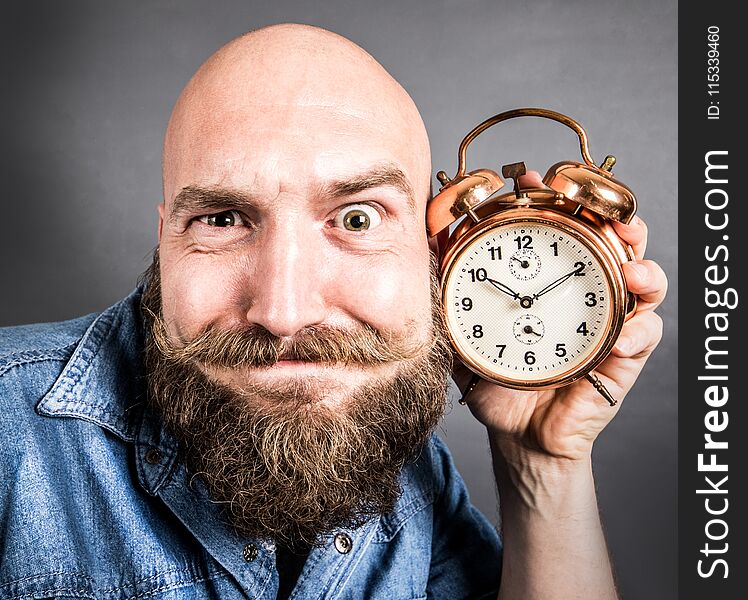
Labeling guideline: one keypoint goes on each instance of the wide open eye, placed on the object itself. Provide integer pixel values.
(227, 218)
(358, 217)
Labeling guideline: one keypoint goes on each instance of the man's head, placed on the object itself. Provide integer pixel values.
(294, 307)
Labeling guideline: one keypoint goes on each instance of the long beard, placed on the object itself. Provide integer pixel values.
(285, 466)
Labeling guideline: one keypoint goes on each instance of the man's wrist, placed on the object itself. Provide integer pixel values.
(535, 480)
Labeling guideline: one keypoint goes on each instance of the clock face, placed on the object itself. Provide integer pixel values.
(528, 301)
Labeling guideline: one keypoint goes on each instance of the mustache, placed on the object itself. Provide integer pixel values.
(255, 346)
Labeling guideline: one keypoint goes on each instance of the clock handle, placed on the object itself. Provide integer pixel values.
(584, 183)
(588, 185)
(461, 194)
(523, 112)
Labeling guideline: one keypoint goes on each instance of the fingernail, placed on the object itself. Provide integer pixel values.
(623, 345)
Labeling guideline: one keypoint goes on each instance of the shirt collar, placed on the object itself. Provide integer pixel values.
(103, 381)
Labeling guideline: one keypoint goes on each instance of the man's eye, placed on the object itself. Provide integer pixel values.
(358, 217)
(227, 218)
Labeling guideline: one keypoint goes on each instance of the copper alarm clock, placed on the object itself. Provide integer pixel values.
(533, 292)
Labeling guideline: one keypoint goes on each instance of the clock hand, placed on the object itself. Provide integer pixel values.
(554, 284)
(524, 301)
(503, 288)
(523, 263)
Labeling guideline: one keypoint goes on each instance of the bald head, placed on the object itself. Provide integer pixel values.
(294, 85)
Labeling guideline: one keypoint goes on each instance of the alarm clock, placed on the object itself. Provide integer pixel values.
(532, 289)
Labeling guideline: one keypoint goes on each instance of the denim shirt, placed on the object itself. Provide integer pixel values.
(95, 503)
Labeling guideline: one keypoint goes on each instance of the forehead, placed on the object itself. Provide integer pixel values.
(289, 145)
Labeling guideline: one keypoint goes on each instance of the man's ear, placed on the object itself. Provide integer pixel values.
(160, 220)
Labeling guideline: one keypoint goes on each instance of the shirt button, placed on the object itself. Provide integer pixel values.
(250, 552)
(153, 456)
(343, 543)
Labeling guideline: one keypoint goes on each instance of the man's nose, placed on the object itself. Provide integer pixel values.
(288, 290)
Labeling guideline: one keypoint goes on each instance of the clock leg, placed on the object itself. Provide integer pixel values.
(471, 386)
(598, 385)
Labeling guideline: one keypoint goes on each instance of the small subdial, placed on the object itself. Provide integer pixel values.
(528, 329)
(524, 264)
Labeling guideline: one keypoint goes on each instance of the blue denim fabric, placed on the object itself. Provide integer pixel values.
(88, 510)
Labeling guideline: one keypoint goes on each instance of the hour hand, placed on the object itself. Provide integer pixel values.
(503, 288)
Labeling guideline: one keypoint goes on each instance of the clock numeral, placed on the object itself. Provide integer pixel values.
(530, 357)
(501, 348)
(579, 266)
(561, 350)
(478, 331)
(523, 241)
(554, 245)
(583, 328)
(495, 252)
(467, 304)
(478, 274)
(591, 299)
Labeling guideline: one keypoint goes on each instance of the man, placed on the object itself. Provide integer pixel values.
(256, 419)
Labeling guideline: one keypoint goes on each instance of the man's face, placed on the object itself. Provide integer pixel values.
(293, 216)
(295, 348)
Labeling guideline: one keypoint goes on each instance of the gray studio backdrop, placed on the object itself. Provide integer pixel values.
(88, 86)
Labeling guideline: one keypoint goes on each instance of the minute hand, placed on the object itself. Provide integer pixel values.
(554, 284)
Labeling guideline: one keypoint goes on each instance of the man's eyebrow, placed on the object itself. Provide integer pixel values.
(386, 175)
(195, 199)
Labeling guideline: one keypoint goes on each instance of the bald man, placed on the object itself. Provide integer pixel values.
(256, 419)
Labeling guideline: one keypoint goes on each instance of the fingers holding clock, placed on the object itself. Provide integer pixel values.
(635, 234)
(642, 332)
(648, 281)
(639, 336)
(531, 179)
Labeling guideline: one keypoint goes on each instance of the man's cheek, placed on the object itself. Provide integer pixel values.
(390, 299)
(190, 304)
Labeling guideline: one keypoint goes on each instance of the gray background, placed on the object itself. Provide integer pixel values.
(87, 88)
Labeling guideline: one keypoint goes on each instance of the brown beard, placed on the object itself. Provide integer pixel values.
(285, 466)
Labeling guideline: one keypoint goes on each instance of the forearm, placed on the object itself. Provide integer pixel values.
(554, 547)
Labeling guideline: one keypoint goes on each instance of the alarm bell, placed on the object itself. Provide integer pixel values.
(594, 188)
